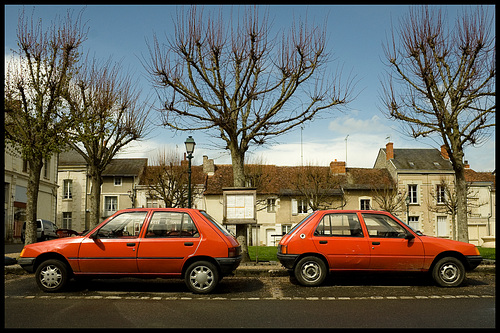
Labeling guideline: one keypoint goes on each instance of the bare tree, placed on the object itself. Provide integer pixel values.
(442, 85)
(388, 197)
(167, 179)
(235, 82)
(444, 200)
(109, 115)
(318, 186)
(36, 78)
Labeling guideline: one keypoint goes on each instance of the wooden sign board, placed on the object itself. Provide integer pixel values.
(239, 205)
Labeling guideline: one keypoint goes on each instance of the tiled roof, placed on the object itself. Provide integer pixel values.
(474, 176)
(420, 159)
(125, 167)
(282, 180)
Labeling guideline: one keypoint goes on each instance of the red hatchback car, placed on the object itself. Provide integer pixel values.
(361, 240)
(145, 242)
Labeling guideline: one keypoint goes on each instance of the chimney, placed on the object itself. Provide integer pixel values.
(208, 166)
(444, 152)
(337, 167)
(389, 151)
(466, 164)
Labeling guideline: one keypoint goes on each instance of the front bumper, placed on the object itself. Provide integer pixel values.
(27, 264)
(227, 265)
(473, 261)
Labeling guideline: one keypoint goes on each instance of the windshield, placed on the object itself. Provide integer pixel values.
(217, 224)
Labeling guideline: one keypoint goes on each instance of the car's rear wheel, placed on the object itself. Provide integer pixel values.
(201, 277)
(310, 271)
(448, 272)
(52, 275)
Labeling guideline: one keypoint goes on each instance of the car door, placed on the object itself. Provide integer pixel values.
(113, 247)
(340, 238)
(389, 247)
(170, 239)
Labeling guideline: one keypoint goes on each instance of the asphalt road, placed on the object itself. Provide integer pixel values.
(344, 301)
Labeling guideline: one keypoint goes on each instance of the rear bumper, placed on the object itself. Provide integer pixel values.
(473, 261)
(227, 265)
(287, 260)
(27, 264)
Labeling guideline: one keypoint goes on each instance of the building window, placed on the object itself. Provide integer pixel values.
(412, 193)
(442, 227)
(364, 204)
(440, 194)
(110, 205)
(67, 188)
(285, 228)
(302, 206)
(299, 206)
(413, 222)
(118, 181)
(271, 205)
(46, 168)
(67, 220)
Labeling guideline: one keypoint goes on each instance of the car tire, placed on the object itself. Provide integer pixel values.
(52, 275)
(310, 271)
(448, 272)
(201, 277)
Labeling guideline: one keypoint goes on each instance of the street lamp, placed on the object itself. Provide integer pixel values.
(189, 150)
(407, 201)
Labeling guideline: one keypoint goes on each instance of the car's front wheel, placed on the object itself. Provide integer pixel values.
(448, 272)
(51, 275)
(201, 277)
(310, 271)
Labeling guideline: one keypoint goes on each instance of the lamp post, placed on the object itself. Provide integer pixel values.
(407, 201)
(189, 150)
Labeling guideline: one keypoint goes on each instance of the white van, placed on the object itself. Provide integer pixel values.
(44, 230)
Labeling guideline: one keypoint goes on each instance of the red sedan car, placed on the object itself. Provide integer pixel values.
(145, 242)
(342, 240)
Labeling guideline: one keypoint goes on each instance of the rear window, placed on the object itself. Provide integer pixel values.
(216, 224)
(300, 223)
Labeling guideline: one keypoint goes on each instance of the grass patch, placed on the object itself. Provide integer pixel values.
(263, 253)
(487, 253)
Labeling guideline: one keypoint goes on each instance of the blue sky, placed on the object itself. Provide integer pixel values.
(355, 37)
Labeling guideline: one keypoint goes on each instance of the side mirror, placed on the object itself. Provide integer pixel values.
(409, 236)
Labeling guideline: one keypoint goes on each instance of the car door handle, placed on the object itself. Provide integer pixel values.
(323, 242)
(375, 243)
(188, 243)
(130, 244)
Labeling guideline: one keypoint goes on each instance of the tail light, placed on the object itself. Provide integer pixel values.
(234, 251)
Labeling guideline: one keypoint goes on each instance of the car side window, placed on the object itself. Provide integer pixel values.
(383, 226)
(171, 224)
(342, 224)
(126, 225)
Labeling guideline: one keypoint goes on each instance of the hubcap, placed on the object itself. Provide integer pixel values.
(50, 276)
(311, 271)
(201, 277)
(449, 273)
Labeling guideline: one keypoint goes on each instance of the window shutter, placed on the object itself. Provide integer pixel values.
(295, 207)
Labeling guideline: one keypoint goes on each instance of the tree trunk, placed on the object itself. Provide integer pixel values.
(461, 193)
(238, 158)
(95, 198)
(456, 158)
(35, 168)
